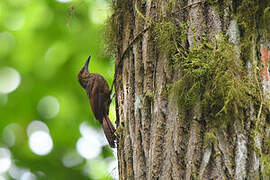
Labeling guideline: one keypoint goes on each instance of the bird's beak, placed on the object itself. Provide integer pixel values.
(85, 67)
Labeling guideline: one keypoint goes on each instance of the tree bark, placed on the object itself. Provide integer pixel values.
(156, 141)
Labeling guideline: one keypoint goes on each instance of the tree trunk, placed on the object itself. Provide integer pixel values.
(175, 118)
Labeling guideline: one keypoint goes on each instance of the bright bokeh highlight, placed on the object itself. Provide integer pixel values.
(71, 159)
(91, 133)
(7, 43)
(113, 169)
(90, 144)
(27, 175)
(9, 79)
(40, 143)
(5, 160)
(14, 20)
(16, 172)
(48, 107)
(37, 126)
(88, 148)
(12, 134)
(8, 135)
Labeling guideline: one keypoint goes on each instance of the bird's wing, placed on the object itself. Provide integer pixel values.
(97, 100)
(107, 98)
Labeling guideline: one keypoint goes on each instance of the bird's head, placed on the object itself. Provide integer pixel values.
(84, 74)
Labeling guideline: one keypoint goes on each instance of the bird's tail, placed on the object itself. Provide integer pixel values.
(109, 131)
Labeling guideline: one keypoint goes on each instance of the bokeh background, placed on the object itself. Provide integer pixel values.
(47, 130)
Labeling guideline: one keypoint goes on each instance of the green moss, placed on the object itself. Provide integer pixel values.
(118, 130)
(253, 18)
(218, 5)
(253, 15)
(164, 34)
(266, 22)
(217, 154)
(111, 30)
(168, 36)
(165, 91)
(267, 144)
(214, 76)
(246, 18)
(266, 15)
(149, 95)
(266, 159)
(247, 15)
(194, 176)
(113, 27)
(209, 139)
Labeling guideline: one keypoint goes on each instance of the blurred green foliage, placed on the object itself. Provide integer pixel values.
(47, 42)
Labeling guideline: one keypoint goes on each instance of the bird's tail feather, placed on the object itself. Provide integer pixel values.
(109, 131)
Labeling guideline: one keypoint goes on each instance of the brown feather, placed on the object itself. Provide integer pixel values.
(98, 92)
(109, 131)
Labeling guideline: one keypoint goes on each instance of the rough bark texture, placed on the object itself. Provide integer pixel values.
(155, 142)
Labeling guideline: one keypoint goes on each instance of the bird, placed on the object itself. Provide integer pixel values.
(98, 92)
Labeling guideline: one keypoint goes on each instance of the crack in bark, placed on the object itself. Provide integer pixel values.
(140, 156)
(221, 169)
(223, 147)
(240, 152)
(206, 157)
(193, 144)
